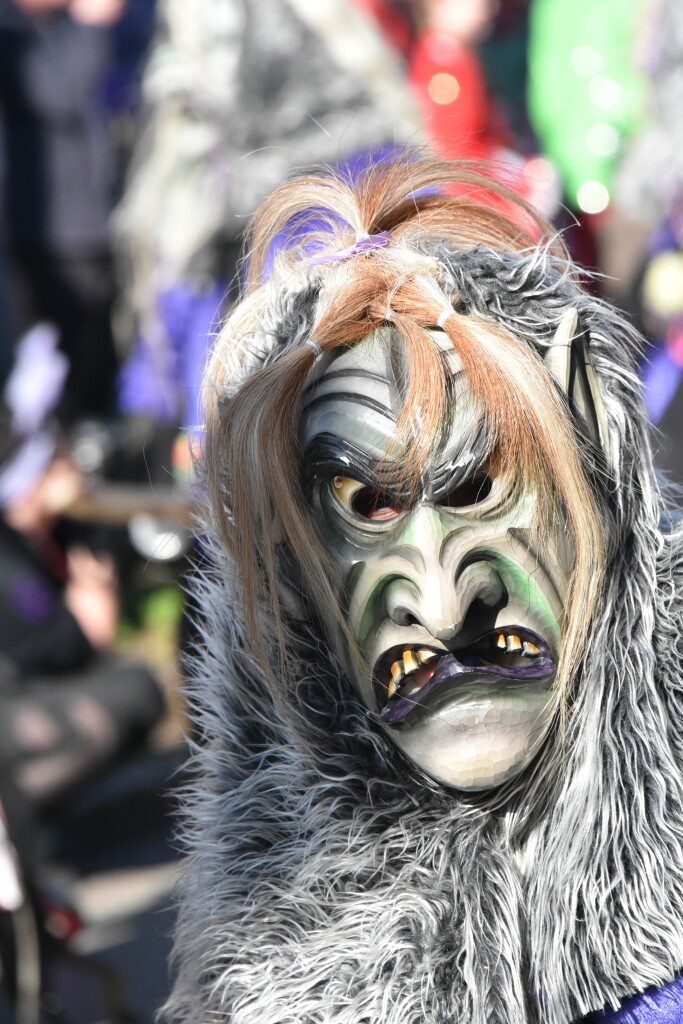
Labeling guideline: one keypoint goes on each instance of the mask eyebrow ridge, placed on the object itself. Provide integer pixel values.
(350, 371)
(464, 462)
(328, 451)
(353, 398)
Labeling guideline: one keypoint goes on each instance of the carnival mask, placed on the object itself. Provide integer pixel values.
(455, 609)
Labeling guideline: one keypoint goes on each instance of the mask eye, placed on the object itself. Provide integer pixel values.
(368, 502)
(469, 492)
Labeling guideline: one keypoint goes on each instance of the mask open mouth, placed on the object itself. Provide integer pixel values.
(410, 678)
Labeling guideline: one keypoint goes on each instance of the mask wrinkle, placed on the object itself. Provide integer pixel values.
(410, 554)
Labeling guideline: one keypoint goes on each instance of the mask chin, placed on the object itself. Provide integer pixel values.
(482, 746)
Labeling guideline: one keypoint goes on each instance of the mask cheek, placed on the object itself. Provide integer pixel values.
(365, 615)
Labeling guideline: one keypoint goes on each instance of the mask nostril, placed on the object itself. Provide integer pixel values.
(403, 617)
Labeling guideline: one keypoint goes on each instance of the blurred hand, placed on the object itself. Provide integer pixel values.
(92, 595)
(96, 12)
(61, 485)
(34, 513)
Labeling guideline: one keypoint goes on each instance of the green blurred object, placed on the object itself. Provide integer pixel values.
(156, 607)
(585, 95)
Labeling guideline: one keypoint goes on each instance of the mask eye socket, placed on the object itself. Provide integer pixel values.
(370, 503)
(469, 492)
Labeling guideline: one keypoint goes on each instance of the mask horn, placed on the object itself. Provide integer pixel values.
(568, 360)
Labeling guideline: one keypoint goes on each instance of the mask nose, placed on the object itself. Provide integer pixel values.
(448, 575)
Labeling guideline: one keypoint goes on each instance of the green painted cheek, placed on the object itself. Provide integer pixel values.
(369, 614)
(522, 584)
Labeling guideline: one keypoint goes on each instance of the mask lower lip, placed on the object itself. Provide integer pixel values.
(410, 679)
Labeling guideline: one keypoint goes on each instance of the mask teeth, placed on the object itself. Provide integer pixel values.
(409, 662)
(413, 659)
(397, 672)
(396, 677)
(511, 643)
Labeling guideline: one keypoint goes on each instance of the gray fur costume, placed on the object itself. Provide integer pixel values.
(329, 883)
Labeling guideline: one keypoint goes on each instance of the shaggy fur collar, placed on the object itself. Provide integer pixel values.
(327, 883)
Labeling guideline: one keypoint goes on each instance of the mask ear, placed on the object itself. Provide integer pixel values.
(568, 360)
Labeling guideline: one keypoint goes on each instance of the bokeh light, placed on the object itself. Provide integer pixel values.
(592, 197)
(663, 285)
(443, 88)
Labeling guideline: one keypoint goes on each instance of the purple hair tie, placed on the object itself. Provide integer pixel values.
(365, 244)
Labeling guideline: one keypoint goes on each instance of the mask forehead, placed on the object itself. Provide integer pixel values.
(356, 396)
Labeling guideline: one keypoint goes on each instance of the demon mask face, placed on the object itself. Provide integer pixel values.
(455, 612)
(454, 609)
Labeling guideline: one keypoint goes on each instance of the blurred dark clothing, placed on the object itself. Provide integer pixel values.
(131, 38)
(38, 633)
(57, 733)
(66, 710)
(57, 171)
(57, 183)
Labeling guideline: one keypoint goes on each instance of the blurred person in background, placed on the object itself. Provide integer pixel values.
(448, 77)
(649, 191)
(448, 67)
(649, 177)
(69, 706)
(54, 58)
(237, 95)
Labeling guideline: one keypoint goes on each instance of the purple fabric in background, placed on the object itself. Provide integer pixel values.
(654, 1006)
(660, 376)
(162, 376)
(660, 372)
(32, 599)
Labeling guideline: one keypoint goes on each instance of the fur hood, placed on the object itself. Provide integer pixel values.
(328, 883)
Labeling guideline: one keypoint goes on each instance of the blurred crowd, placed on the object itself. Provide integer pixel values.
(136, 138)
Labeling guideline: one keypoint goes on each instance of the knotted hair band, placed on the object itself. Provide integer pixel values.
(313, 344)
(364, 244)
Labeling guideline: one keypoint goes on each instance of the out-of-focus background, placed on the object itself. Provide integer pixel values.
(136, 137)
